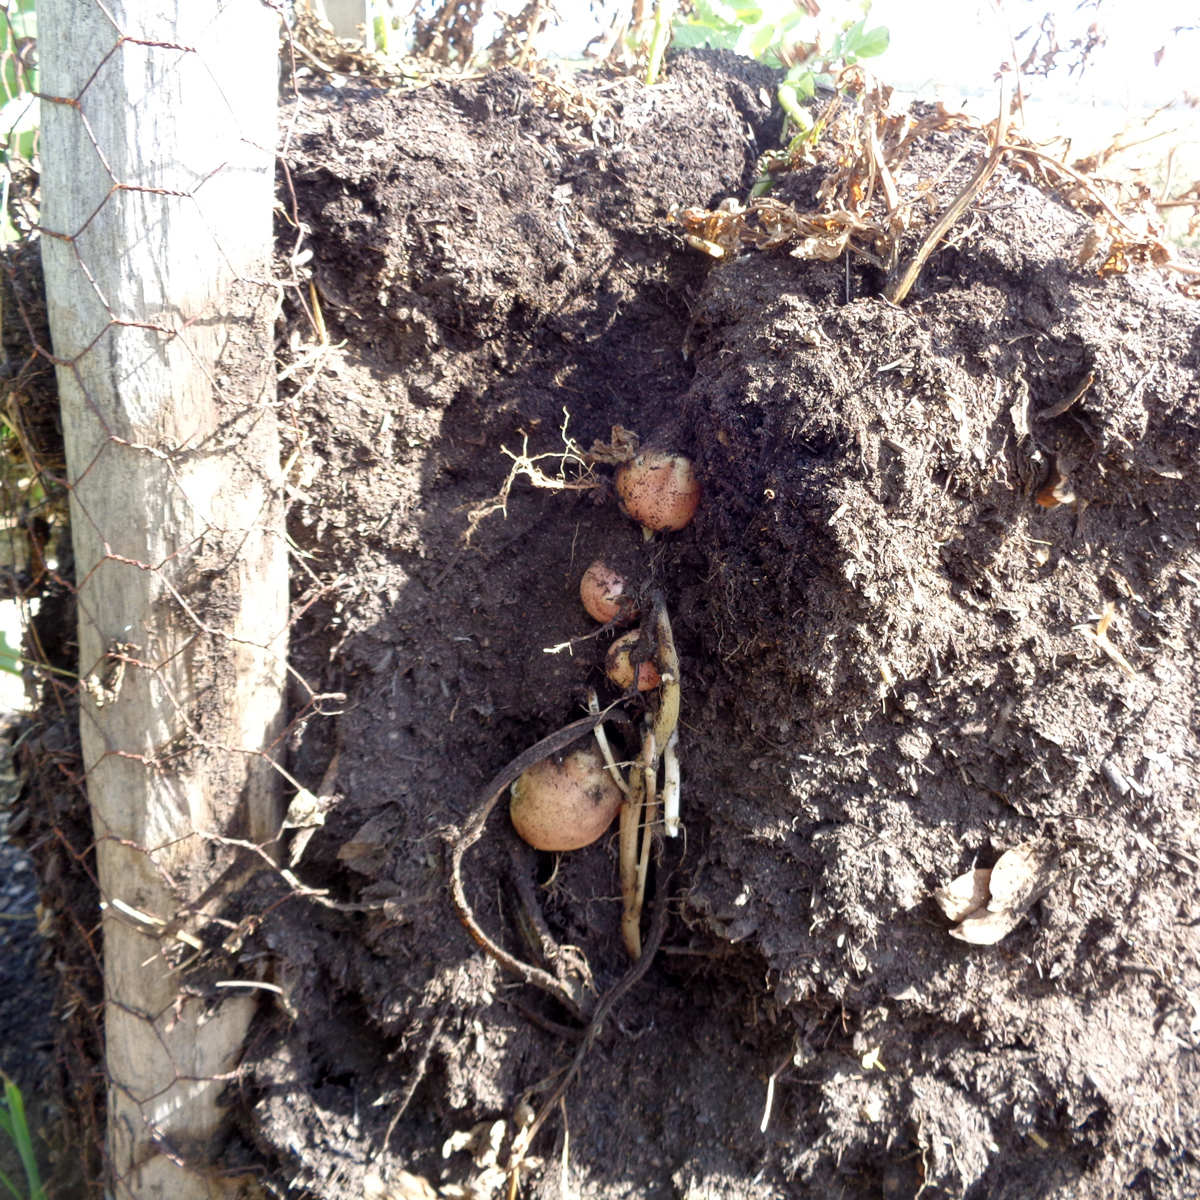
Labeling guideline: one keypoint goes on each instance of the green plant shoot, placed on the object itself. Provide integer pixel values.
(771, 32)
(15, 1126)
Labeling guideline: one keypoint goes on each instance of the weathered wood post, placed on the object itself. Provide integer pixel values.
(158, 126)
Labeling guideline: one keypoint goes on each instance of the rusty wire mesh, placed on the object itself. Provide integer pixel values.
(196, 942)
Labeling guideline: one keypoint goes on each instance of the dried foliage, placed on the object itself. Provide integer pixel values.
(448, 34)
(1046, 54)
(867, 203)
(312, 53)
(516, 42)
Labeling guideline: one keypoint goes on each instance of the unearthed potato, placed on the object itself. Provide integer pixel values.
(659, 491)
(619, 665)
(602, 591)
(565, 805)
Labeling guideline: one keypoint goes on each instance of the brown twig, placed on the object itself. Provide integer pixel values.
(415, 1082)
(1057, 410)
(899, 288)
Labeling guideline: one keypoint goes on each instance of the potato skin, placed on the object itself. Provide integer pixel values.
(565, 805)
(602, 590)
(659, 491)
(619, 665)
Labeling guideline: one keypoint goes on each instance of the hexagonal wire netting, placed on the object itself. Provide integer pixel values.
(165, 364)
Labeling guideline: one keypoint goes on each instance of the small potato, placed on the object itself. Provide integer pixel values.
(603, 593)
(619, 665)
(565, 805)
(659, 491)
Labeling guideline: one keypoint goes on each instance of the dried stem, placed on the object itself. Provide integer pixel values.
(899, 288)
(897, 291)
(473, 830)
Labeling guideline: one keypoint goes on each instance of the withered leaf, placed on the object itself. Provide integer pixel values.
(986, 928)
(1020, 876)
(965, 895)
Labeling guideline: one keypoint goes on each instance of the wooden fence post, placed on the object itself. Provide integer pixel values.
(158, 127)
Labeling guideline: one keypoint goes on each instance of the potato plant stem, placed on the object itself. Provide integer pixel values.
(667, 661)
(670, 791)
(650, 815)
(605, 748)
(631, 819)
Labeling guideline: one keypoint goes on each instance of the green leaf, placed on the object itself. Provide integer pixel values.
(16, 1126)
(716, 25)
(875, 42)
(10, 663)
(801, 79)
(687, 36)
(8, 1183)
(761, 40)
(792, 21)
(847, 40)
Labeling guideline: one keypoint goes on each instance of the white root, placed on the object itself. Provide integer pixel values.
(670, 790)
(605, 749)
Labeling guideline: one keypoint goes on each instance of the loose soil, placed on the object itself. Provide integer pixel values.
(885, 678)
(26, 992)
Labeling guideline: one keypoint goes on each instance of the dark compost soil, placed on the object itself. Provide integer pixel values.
(885, 678)
(26, 993)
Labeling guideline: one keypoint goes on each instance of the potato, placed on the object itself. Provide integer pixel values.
(619, 665)
(565, 804)
(603, 592)
(658, 490)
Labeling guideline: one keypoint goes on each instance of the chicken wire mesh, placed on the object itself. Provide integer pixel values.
(174, 559)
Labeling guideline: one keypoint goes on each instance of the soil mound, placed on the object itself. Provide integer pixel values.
(927, 614)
